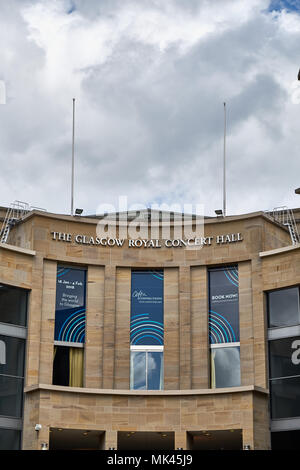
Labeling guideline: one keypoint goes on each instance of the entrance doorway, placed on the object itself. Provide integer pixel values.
(76, 439)
(231, 439)
(145, 440)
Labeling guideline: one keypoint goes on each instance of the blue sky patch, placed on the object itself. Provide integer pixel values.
(289, 5)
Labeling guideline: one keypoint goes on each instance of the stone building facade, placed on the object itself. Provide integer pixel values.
(186, 398)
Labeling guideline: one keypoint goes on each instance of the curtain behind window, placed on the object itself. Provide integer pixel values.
(212, 370)
(76, 367)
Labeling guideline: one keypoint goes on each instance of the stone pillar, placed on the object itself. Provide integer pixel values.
(182, 440)
(94, 327)
(122, 326)
(111, 440)
(171, 330)
(246, 323)
(109, 326)
(199, 328)
(259, 327)
(185, 327)
(47, 322)
(248, 438)
(34, 325)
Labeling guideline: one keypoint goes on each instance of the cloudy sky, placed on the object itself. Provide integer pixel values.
(150, 78)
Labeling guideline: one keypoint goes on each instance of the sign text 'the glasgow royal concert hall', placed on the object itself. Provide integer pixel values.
(146, 243)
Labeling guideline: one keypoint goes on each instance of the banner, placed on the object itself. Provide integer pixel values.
(224, 305)
(146, 321)
(70, 305)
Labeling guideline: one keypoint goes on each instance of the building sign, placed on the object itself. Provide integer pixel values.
(70, 305)
(147, 310)
(195, 242)
(224, 305)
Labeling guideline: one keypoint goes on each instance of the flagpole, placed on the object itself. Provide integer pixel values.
(224, 165)
(72, 172)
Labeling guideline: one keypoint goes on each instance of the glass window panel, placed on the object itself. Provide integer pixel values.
(10, 439)
(11, 395)
(138, 370)
(13, 305)
(61, 367)
(286, 440)
(284, 307)
(12, 353)
(225, 367)
(155, 370)
(285, 357)
(285, 398)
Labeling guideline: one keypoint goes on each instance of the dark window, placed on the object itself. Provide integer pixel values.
(68, 366)
(11, 396)
(61, 365)
(285, 397)
(12, 355)
(13, 311)
(284, 357)
(283, 307)
(287, 440)
(13, 305)
(10, 439)
(284, 365)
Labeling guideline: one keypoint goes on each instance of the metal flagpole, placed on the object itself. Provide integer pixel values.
(224, 165)
(72, 176)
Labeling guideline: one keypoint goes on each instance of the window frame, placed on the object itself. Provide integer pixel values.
(234, 344)
(70, 344)
(267, 294)
(13, 330)
(146, 350)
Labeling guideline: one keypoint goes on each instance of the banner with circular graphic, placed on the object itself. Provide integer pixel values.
(70, 305)
(224, 305)
(147, 309)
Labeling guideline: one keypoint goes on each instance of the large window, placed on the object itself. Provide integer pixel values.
(283, 307)
(146, 330)
(284, 363)
(13, 305)
(13, 319)
(225, 367)
(224, 333)
(147, 370)
(69, 335)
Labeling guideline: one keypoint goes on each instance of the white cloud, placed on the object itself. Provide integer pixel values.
(150, 78)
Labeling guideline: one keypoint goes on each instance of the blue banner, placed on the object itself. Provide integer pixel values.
(224, 305)
(147, 308)
(70, 305)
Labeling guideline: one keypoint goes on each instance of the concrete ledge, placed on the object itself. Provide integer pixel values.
(277, 251)
(163, 393)
(17, 249)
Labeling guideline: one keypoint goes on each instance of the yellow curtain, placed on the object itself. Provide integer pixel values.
(76, 367)
(212, 370)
